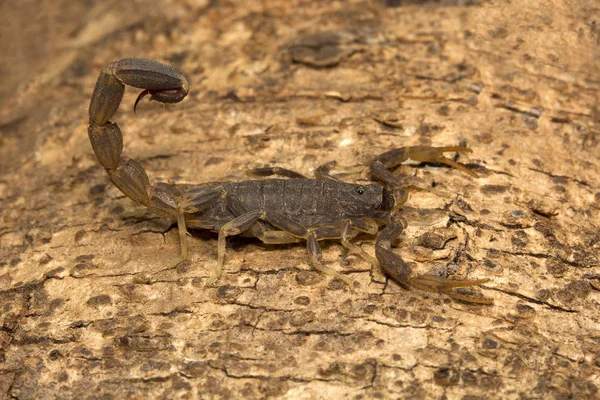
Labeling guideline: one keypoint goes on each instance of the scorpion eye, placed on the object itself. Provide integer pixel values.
(360, 191)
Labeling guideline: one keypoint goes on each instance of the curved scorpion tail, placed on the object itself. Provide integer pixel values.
(166, 85)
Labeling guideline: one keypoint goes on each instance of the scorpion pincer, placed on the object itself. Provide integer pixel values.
(276, 211)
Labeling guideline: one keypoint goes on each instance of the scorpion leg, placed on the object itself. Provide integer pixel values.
(395, 267)
(277, 237)
(350, 229)
(380, 166)
(233, 227)
(315, 255)
(259, 230)
(312, 237)
(323, 171)
(270, 171)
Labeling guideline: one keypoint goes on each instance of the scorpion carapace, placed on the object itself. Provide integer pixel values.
(276, 211)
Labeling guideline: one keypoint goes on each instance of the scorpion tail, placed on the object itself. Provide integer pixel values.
(166, 85)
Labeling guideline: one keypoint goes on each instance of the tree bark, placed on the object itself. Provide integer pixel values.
(92, 305)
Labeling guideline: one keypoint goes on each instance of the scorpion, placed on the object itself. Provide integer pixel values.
(288, 209)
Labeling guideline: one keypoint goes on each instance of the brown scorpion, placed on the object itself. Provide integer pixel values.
(276, 211)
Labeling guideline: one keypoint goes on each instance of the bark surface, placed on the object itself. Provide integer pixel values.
(91, 305)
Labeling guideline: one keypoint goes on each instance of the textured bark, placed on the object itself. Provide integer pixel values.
(91, 305)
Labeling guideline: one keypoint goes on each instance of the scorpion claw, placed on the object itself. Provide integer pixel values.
(394, 266)
(382, 164)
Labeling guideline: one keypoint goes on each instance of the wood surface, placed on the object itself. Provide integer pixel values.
(91, 305)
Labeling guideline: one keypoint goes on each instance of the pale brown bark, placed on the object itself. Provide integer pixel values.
(90, 306)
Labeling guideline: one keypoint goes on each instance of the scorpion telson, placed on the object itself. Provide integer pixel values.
(276, 211)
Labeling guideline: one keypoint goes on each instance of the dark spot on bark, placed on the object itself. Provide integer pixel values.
(54, 355)
(525, 309)
(472, 100)
(228, 292)
(308, 278)
(544, 229)
(55, 272)
(78, 324)
(580, 289)
(490, 344)
(43, 325)
(180, 384)
(498, 33)
(556, 268)
(79, 235)
(198, 282)
(213, 161)
(302, 300)
(337, 284)
(490, 383)
(97, 189)
(10, 322)
(15, 262)
(463, 205)
(359, 371)
(99, 300)
(484, 212)
(369, 308)
(117, 210)
(301, 318)
(425, 130)
(543, 294)
(517, 214)
(489, 264)
(431, 241)
(83, 351)
(393, 3)
(485, 138)
(530, 121)
(469, 378)
(517, 242)
(63, 377)
(54, 304)
(560, 180)
(183, 266)
(145, 344)
(493, 189)
(438, 319)
(318, 50)
(332, 369)
(559, 189)
(446, 377)
(45, 259)
(214, 346)
(84, 257)
(443, 110)
(273, 387)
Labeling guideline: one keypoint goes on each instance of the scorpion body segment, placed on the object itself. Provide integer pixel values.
(276, 211)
